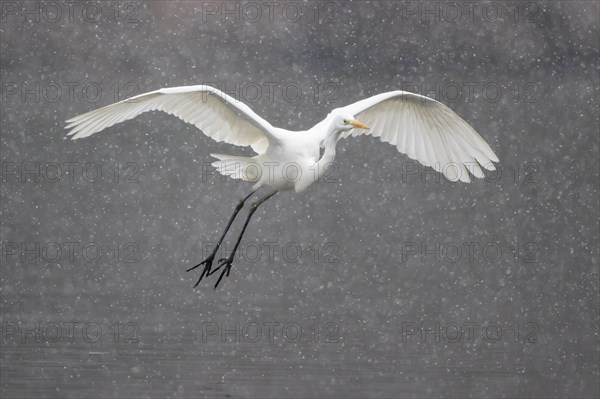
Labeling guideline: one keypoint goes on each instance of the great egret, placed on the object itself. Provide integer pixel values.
(421, 127)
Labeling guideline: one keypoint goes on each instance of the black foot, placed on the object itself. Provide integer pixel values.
(224, 263)
(207, 265)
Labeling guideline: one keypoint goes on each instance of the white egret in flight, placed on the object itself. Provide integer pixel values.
(420, 127)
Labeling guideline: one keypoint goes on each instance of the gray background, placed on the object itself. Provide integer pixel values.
(355, 279)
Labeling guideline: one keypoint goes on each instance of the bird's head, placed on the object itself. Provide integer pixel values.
(343, 123)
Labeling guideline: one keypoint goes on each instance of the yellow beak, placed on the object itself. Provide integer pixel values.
(359, 125)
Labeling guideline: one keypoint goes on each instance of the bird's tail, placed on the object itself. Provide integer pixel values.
(237, 167)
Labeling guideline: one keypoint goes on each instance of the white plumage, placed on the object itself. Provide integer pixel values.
(418, 126)
(215, 113)
(425, 130)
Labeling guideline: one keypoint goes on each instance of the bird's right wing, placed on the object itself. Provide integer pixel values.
(218, 115)
(425, 130)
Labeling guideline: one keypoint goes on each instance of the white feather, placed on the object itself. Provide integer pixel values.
(425, 130)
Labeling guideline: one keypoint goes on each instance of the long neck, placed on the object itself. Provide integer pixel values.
(330, 142)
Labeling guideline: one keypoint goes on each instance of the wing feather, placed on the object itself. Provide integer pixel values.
(425, 130)
(218, 115)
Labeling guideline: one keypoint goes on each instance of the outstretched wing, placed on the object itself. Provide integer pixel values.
(425, 130)
(218, 115)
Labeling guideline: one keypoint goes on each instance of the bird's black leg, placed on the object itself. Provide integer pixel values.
(209, 261)
(225, 263)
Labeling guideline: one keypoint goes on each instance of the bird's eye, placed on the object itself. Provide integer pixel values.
(345, 121)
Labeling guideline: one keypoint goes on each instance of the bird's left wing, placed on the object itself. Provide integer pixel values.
(425, 130)
(218, 115)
